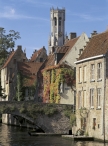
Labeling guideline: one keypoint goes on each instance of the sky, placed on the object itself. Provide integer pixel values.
(32, 19)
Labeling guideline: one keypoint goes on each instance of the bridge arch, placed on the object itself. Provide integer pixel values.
(48, 117)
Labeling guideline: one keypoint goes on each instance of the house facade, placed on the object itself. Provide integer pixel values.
(39, 55)
(77, 46)
(91, 87)
(27, 80)
(65, 55)
(9, 73)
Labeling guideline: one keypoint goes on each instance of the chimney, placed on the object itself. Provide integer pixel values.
(94, 33)
(19, 47)
(72, 35)
(43, 47)
(66, 37)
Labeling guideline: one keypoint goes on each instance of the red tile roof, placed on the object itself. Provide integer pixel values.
(9, 59)
(50, 60)
(35, 54)
(98, 45)
(69, 46)
(64, 49)
(29, 70)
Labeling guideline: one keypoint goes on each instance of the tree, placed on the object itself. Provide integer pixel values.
(7, 41)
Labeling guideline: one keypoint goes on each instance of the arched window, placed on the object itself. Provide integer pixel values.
(55, 21)
(59, 21)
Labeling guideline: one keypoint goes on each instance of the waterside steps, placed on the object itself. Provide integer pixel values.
(79, 138)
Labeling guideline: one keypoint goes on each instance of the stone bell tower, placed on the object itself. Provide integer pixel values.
(57, 29)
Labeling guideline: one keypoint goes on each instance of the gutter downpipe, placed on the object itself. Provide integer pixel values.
(103, 131)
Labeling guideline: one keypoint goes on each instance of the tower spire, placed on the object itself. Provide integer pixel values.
(57, 28)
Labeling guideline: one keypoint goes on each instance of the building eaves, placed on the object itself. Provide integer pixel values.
(97, 46)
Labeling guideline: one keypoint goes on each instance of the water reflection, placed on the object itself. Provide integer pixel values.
(90, 144)
(15, 136)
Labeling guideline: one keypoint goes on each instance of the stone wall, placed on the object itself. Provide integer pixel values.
(54, 123)
(94, 111)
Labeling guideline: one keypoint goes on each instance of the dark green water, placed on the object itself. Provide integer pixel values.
(15, 136)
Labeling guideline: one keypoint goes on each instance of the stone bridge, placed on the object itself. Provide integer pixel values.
(50, 118)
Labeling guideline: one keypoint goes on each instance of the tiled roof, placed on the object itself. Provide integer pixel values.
(35, 54)
(98, 45)
(50, 60)
(64, 49)
(69, 46)
(9, 59)
(29, 70)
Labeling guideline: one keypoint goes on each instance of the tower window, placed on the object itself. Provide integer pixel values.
(55, 20)
(59, 21)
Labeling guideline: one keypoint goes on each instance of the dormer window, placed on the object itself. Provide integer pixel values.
(41, 59)
(80, 51)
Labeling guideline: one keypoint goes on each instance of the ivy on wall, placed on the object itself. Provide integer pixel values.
(20, 90)
(53, 78)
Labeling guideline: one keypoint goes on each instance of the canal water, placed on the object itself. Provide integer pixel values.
(16, 136)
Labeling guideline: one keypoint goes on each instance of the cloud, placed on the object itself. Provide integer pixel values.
(88, 17)
(38, 3)
(10, 13)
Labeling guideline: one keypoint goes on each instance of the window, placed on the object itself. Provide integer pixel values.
(59, 21)
(80, 74)
(61, 87)
(41, 59)
(99, 71)
(99, 97)
(85, 100)
(26, 92)
(85, 74)
(80, 51)
(92, 98)
(92, 72)
(79, 100)
(94, 123)
(55, 21)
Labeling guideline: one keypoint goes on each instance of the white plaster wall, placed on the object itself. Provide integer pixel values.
(73, 54)
(67, 97)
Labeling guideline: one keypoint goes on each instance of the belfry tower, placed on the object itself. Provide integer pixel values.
(57, 29)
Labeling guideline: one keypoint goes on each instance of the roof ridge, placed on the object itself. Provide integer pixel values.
(96, 46)
(100, 33)
(9, 57)
(36, 52)
(70, 40)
